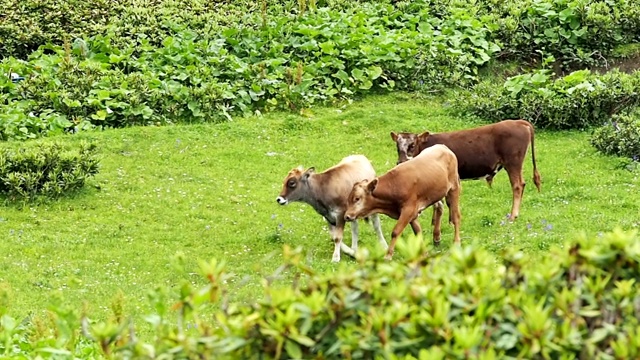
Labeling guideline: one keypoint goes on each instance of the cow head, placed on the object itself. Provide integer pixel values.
(357, 203)
(294, 185)
(405, 144)
(409, 144)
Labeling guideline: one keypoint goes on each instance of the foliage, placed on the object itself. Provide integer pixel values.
(580, 301)
(576, 33)
(579, 100)
(291, 62)
(208, 191)
(46, 171)
(620, 137)
(29, 24)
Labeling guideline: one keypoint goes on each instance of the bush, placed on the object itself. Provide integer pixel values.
(292, 62)
(579, 301)
(620, 137)
(28, 24)
(576, 33)
(45, 171)
(577, 101)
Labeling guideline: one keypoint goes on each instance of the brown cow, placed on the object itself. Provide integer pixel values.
(407, 189)
(481, 152)
(327, 193)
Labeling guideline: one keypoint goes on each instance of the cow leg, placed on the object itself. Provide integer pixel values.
(354, 235)
(337, 232)
(406, 216)
(375, 221)
(517, 186)
(453, 203)
(415, 226)
(436, 220)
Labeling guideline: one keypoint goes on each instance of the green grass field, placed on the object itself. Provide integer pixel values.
(208, 191)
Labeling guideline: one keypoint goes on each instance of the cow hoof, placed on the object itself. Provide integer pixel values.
(436, 243)
(388, 257)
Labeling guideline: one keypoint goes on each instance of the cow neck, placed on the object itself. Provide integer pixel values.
(315, 200)
(384, 201)
(432, 139)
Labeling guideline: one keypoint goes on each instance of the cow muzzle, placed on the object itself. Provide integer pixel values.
(282, 201)
(348, 217)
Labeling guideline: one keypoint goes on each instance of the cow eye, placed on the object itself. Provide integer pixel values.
(357, 199)
(410, 147)
(291, 183)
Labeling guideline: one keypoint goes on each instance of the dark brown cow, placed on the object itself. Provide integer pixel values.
(481, 152)
(327, 193)
(406, 190)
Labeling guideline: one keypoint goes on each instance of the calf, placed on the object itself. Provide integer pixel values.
(407, 189)
(481, 152)
(327, 193)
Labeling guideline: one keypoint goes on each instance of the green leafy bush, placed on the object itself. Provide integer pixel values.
(48, 170)
(292, 62)
(620, 137)
(579, 301)
(29, 24)
(576, 33)
(579, 100)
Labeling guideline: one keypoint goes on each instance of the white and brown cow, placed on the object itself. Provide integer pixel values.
(406, 190)
(481, 152)
(327, 193)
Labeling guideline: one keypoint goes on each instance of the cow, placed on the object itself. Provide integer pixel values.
(407, 189)
(327, 193)
(481, 152)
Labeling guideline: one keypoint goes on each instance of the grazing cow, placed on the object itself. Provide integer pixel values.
(481, 152)
(407, 189)
(327, 193)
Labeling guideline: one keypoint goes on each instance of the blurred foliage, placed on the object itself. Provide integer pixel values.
(580, 301)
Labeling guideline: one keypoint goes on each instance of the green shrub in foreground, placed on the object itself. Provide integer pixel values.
(581, 300)
(579, 100)
(620, 137)
(48, 170)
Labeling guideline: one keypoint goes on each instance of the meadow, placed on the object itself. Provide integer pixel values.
(208, 191)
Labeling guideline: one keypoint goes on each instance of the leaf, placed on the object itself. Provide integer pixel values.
(293, 349)
(374, 72)
(303, 340)
(99, 115)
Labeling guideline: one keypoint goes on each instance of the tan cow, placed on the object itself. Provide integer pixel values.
(407, 189)
(327, 193)
(481, 152)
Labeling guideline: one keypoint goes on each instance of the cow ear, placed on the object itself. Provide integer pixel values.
(307, 173)
(394, 136)
(372, 185)
(423, 136)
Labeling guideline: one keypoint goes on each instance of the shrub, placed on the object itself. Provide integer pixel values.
(292, 62)
(576, 33)
(579, 301)
(28, 24)
(45, 171)
(579, 100)
(620, 137)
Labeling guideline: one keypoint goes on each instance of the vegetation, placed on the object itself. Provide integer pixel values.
(579, 100)
(580, 300)
(45, 171)
(621, 137)
(208, 191)
(290, 62)
(172, 188)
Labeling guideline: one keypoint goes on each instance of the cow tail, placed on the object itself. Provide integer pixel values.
(536, 174)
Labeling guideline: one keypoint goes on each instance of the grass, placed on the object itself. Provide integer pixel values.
(208, 191)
